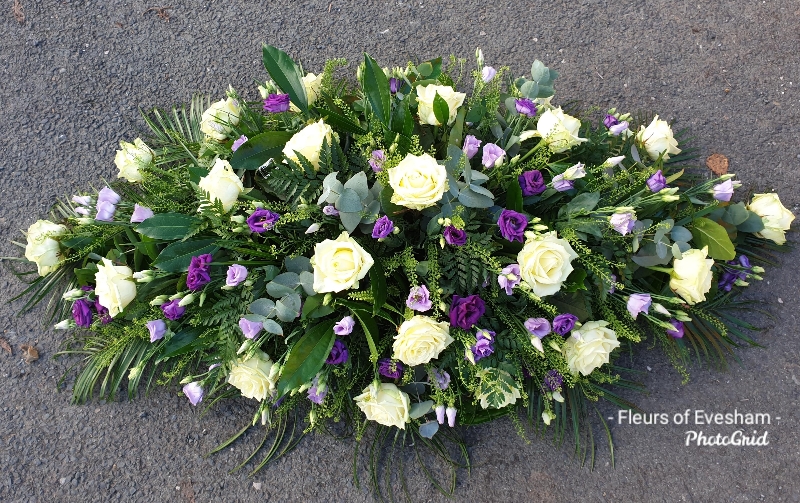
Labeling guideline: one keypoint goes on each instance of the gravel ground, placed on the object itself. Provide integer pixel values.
(75, 72)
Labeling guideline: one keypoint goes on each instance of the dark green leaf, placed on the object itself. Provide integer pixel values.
(425, 69)
(259, 149)
(340, 122)
(441, 110)
(457, 132)
(475, 113)
(168, 226)
(307, 356)
(387, 205)
(182, 342)
(370, 329)
(736, 214)
(377, 280)
(286, 74)
(78, 242)
(177, 256)
(706, 232)
(514, 195)
(402, 122)
(376, 88)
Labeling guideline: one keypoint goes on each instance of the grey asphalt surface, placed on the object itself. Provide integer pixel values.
(73, 75)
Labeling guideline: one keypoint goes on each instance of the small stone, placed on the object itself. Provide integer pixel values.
(780, 300)
(62, 480)
(649, 369)
(257, 486)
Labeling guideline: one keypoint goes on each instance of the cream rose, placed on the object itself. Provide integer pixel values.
(589, 346)
(222, 184)
(217, 120)
(418, 181)
(308, 142)
(558, 130)
(421, 339)
(425, 97)
(115, 286)
(339, 264)
(131, 157)
(691, 275)
(657, 138)
(775, 217)
(256, 377)
(385, 404)
(545, 263)
(42, 247)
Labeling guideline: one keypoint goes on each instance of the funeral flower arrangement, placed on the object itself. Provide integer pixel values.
(397, 253)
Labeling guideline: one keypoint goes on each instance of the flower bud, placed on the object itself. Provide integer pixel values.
(479, 56)
(440, 413)
(161, 299)
(547, 416)
(65, 325)
(670, 199)
(558, 397)
(178, 295)
(144, 276)
(740, 282)
(74, 294)
(186, 300)
(239, 219)
(202, 298)
(661, 309)
(85, 221)
(312, 228)
(451, 416)
(327, 299)
(539, 228)
(758, 269)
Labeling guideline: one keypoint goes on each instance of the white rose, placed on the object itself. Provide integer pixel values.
(418, 181)
(425, 97)
(691, 275)
(217, 120)
(421, 339)
(589, 347)
(313, 85)
(545, 263)
(340, 264)
(115, 286)
(776, 218)
(42, 247)
(308, 142)
(255, 377)
(385, 404)
(222, 184)
(657, 138)
(558, 129)
(131, 157)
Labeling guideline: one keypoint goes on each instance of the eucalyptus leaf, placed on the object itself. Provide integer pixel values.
(307, 280)
(472, 199)
(272, 327)
(297, 264)
(419, 409)
(349, 201)
(754, 223)
(350, 220)
(263, 307)
(288, 308)
(429, 429)
(679, 233)
(359, 184)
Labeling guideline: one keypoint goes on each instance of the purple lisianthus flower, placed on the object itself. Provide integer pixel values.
(390, 368)
(553, 380)
(509, 277)
(466, 311)
(262, 220)
(344, 326)
(383, 227)
(314, 394)
(394, 85)
(525, 107)
(105, 211)
(609, 120)
(108, 196)
(487, 74)
(157, 329)
(276, 103)
(492, 155)
(440, 378)
(744, 261)
(419, 298)
(198, 275)
(532, 183)
(140, 214)
(239, 142)
(723, 191)
(102, 312)
(250, 329)
(171, 309)
(623, 222)
(82, 200)
(537, 326)
(194, 392)
(657, 182)
(677, 332)
(376, 160)
(727, 279)
(617, 129)
(563, 323)
(561, 184)
(471, 146)
(512, 225)
(82, 313)
(201, 261)
(330, 210)
(639, 303)
(338, 353)
(236, 274)
(454, 237)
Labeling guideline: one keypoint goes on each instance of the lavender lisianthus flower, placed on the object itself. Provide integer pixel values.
(419, 299)
(561, 184)
(454, 237)
(723, 191)
(171, 309)
(537, 326)
(338, 353)
(239, 142)
(617, 129)
(80, 210)
(315, 394)
(471, 146)
(157, 329)
(609, 120)
(623, 222)
(330, 210)
(105, 211)
(657, 182)
(563, 323)
(82, 200)
(262, 220)
(235, 275)
(194, 392)
(250, 329)
(108, 196)
(383, 227)
(276, 103)
(532, 183)
(394, 85)
(509, 277)
(525, 107)
(440, 378)
(392, 369)
(140, 214)
(553, 380)
(493, 155)
(466, 311)
(344, 326)
(512, 225)
(481, 349)
(487, 74)
(677, 332)
(376, 160)
(639, 303)
(82, 313)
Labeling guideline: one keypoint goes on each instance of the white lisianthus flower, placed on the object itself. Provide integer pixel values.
(425, 97)
(558, 129)
(217, 120)
(545, 263)
(657, 138)
(385, 404)
(691, 275)
(418, 181)
(420, 340)
(222, 184)
(308, 142)
(115, 286)
(339, 264)
(590, 346)
(775, 217)
(43, 248)
(256, 377)
(131, 157)
(313, 85)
